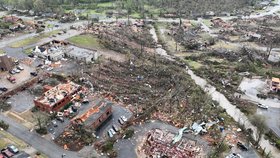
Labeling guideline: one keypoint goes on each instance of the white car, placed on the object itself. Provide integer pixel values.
(110, 134)
(112, 131)
(123, 118)
(50, 68)
(20, 68)
(16, 70)
(262, 106)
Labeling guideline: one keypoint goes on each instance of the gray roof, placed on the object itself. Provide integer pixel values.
(95, 116)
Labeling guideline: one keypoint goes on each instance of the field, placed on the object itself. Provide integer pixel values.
(86, 41)
(6, 139)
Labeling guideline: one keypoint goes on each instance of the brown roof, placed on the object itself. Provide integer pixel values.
(11, 19)
(274, 79)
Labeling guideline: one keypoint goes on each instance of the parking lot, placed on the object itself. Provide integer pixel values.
(21, 77)
(22, 101)
(117, 112)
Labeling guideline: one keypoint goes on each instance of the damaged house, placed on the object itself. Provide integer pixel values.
(158, 143)
(56, 50)
(55, 98)
(275, 84)
(95, 116)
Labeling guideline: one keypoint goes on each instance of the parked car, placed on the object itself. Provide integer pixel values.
(31, 55)
(16, 70)
(262, 106)
(110, 134)
(85, 101)
(11, 79)
(112, 131)
(20, 68)
(54, 123)
(13, 149)
(50, 68)
(4, 89)
(12, 72)
(33, 73)
(61, 119)
(16, 62)
(121, 121)
(242, 146)
(7, 153)
(39, 65)
(124, 118)
(116, 128)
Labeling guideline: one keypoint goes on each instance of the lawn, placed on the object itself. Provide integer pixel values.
(194, 64)
(6, 139)
(86, 41)
(106, 4)
(33, 40)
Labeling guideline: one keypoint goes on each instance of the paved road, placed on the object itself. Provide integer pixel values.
(36, 141)
(6, 42)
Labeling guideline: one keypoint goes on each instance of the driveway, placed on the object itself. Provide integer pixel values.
(252, 87)
(36, 141)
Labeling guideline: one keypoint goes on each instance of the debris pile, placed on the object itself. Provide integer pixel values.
(158, 143)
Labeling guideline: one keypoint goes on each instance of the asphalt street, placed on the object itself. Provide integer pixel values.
(35, 140)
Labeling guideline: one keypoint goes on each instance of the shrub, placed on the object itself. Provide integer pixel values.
(128, 133)
(42, 131)
(278, 143)
(4, 125)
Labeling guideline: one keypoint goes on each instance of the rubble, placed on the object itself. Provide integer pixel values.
(159, 143)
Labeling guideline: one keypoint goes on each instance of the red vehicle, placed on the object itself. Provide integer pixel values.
(11, 79)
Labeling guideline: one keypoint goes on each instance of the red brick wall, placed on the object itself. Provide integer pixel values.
(102, 118)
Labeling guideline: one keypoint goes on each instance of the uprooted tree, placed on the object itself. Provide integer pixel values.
(271, 42)
(259, 122)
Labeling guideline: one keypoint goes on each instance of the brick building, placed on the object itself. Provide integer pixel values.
(57, 97)
(95, 116)
(6, 63)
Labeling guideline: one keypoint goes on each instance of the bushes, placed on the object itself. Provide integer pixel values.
(278, 143)
(4, 125)
(42, 131)
(128, 133)
(4, 106)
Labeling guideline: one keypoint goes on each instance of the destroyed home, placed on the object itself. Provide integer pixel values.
(80, 54)
(6, 63)
(57, 97)
(56, 50)
(159, 143)
(12, 19)
(275, 84)
(95, 116)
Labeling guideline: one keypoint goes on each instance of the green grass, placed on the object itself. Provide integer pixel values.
(194, 64)
(28, 51)
(87, 41)
(2, 51)
(33, 40)
(105, 4)
(207, 22)
(136, 15)
(6, 139)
